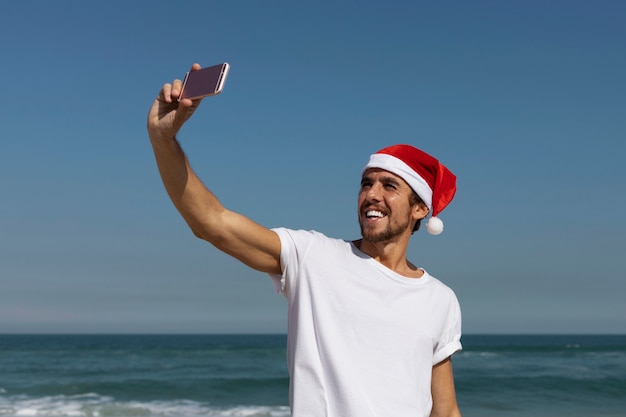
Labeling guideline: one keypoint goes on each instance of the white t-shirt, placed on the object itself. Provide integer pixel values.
(362, 339)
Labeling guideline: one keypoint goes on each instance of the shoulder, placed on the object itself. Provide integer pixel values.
(312, 246)
(306, 237)
(440, 286)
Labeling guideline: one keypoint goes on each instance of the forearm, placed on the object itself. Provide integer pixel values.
(197, 205)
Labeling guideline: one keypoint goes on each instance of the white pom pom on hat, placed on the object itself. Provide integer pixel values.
(430, 179)
(434, 226)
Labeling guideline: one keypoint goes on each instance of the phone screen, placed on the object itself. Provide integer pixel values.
(205, 82)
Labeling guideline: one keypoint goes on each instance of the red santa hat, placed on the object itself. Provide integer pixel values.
(432, 181)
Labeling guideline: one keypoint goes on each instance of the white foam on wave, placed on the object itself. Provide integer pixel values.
(474, 354)
(94, 405)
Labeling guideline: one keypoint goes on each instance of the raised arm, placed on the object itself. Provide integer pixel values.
(247, 241)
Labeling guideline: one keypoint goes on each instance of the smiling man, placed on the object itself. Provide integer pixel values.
(370, 334)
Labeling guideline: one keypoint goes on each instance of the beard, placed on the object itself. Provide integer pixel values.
(391, 230)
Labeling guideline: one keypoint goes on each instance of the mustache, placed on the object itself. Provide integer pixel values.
(377, 207)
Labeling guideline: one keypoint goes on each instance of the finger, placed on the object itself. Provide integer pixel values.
(191, 103)
(195, 67)
(186, 109)
(186, 103)
(166, 93)
(177, 87)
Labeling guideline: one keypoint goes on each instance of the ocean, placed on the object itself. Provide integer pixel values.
(246, 375)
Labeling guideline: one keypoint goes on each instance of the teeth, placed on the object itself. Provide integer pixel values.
(374, 213)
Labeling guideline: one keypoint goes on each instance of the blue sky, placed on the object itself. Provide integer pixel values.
(524, 101)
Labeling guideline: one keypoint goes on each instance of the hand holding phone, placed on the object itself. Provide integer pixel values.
(204, 82)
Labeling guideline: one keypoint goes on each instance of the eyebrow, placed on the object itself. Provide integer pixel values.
(383, 179)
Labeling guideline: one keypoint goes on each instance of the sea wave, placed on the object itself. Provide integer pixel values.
(94, 405)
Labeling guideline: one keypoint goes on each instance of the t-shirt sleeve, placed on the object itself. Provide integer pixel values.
(450, 340)
(290, 241)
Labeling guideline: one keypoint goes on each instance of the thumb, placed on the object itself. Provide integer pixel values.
(186, 109)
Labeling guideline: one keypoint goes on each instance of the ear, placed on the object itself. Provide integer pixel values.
(420, 211)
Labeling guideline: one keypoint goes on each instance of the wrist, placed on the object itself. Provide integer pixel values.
(163, 141)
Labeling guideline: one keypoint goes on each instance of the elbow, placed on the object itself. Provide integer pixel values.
(201, 233)
(207, 235)
(198, 231)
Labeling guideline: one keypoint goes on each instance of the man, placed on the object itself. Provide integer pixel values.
(369, 333)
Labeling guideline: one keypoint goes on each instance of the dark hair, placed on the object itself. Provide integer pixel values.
(413, 200)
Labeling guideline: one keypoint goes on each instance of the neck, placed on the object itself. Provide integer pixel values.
(392, 255)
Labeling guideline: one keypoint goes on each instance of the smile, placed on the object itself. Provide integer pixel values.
(374, 214)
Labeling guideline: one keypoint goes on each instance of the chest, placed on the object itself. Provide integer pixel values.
(353, 297)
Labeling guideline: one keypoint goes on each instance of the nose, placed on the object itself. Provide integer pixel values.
(374, 192)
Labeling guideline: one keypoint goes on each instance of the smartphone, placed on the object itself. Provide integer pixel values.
(204, 82)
